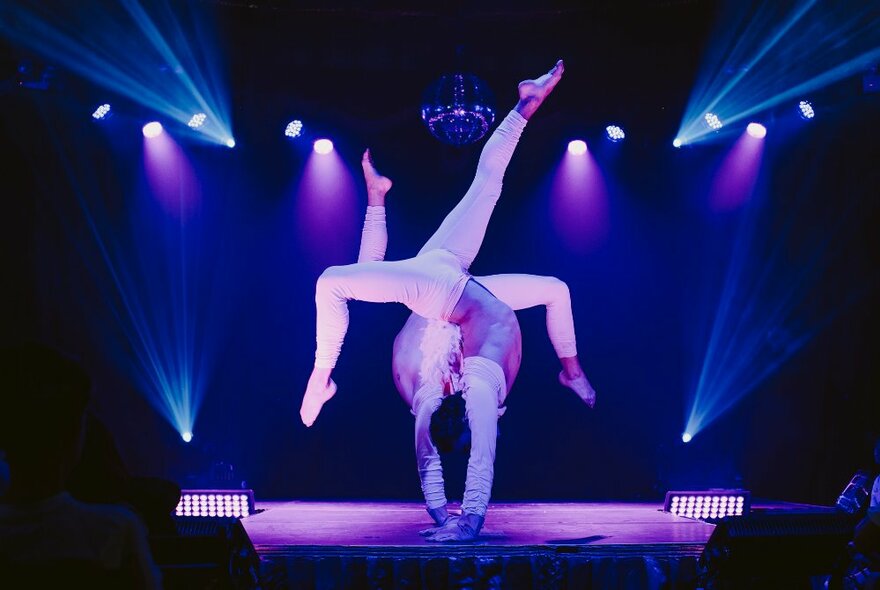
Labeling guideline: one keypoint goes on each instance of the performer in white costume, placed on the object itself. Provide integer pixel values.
(437, 286)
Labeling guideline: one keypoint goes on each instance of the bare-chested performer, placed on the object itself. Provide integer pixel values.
(426, 362)
(436, 285)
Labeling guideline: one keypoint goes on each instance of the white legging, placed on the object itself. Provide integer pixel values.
(431, 283)
(517, 291)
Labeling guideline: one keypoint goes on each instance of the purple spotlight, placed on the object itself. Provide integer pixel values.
(152, 129)
(323, 146)
(756, 130)
(577, 147)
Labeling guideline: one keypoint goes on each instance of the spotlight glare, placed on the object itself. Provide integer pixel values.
(713, 121)
(686, 437)
(756, 130)
(102, 112)
(805, 110)
(577, 147)
(187, 436)
(323, 146)
(197, 120)
(152, 129)
(615, 133)
(230, 143)
(293, 129)
(677, 142)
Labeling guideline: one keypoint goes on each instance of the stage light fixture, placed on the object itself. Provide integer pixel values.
(686, 437)
(102, 112)
(186, 436)
(615, 133)
(756, 130)
(577, 147)
(323, 146)
(197, 120)
(677, 142)
(215, 503)
(294, 129)
(230, 143)
(152, 129)
(713, 121)
(709, 505)
(805, 110)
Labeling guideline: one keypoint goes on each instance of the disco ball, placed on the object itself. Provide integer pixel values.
(458, 109)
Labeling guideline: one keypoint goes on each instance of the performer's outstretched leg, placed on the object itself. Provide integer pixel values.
(463, 230)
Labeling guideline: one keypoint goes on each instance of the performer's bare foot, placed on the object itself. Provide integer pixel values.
(318, 391)
(533, 92)
(377, 185)
(580, 385)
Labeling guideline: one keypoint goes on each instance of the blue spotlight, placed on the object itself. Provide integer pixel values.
(686, 437)
(152, 129)
(102, 112)
(577, 147)
(805, 110)
(186, 436)
(230, 143)
(293, 129)
(615, 133)
(713, 121)
(323, 146)
(677, 142)
(197, 120)
(756, 130)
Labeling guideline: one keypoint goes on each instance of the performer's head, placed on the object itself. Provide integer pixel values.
(449, 426)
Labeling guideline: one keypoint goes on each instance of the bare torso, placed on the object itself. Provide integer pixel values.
(489, 328)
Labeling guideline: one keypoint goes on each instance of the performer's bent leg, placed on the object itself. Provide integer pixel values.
(521, 291)
(375, 282)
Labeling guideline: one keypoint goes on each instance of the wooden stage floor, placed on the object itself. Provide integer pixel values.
(526, 545)
(374, 524)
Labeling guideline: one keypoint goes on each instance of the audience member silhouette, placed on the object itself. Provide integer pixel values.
(48, 538)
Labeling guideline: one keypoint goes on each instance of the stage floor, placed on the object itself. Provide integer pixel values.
(378, 524)
(526, 545)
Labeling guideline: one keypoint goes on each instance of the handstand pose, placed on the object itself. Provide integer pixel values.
(426, 361)
(436, 285)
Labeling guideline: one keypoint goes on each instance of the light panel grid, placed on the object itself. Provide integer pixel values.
(708, 504)
(215, 504)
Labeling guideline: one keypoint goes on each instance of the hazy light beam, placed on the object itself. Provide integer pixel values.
(762, 57)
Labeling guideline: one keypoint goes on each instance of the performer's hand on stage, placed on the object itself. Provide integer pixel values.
(319, 389)
(579, 384)
(465, 528)
(449, 524)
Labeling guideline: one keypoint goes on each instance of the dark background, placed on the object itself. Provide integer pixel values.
(644, 296)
